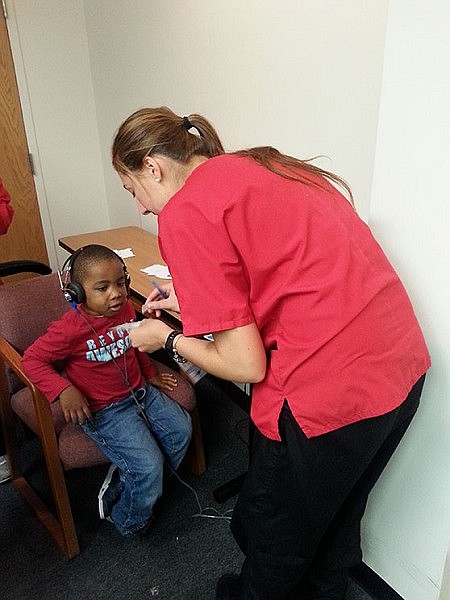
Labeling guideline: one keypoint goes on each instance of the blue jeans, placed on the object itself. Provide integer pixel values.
(139, 450)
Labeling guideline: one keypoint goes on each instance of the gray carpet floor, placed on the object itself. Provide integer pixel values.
(189, 547)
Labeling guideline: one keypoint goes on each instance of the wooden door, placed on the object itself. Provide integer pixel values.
(25, 237)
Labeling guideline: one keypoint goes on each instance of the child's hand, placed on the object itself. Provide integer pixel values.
(74, 406)
(164, 381)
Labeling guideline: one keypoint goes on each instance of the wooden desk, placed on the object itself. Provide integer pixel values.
(145, 247)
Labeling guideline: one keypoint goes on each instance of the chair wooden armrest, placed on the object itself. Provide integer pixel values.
(62, 527)
(9, 356)
(12, 358)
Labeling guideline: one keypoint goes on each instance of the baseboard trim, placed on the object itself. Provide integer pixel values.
(372, 583)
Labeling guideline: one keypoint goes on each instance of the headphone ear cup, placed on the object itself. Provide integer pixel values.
(75, 292)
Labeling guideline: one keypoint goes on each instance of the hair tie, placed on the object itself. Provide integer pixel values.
(187, 124)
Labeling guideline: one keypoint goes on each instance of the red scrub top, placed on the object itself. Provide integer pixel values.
(244, 244)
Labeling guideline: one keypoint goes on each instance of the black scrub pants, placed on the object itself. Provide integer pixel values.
(297, 519)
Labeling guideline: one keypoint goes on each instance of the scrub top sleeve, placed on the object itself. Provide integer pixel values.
(208, 275)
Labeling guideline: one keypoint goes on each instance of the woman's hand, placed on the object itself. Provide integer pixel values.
(155, 302)
(150, 335)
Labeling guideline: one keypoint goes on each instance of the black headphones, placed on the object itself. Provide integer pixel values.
(73, 290)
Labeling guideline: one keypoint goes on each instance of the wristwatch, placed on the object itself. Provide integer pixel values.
(169, 346)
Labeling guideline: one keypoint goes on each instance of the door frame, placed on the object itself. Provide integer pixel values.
(27, 116)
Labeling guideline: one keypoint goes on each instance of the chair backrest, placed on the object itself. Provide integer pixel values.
(26, 310)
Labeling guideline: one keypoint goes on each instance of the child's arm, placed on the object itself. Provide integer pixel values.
(39, 359)
(74, 405)
(38, 363)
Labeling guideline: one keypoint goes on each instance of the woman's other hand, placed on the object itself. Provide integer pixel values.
(150, 335)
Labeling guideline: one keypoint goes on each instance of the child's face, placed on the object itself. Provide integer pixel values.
(105, 288)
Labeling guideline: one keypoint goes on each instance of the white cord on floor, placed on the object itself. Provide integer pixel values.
(219, 515)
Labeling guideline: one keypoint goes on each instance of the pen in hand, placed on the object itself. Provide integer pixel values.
(160, 290)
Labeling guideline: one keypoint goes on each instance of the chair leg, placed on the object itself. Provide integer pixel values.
(62, 527)
(196, 451)
(63, 530)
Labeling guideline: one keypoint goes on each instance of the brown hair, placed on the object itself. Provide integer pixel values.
(294, 168)
(161, 131)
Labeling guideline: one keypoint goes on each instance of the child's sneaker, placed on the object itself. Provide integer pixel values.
(5, 474)
(109, 493)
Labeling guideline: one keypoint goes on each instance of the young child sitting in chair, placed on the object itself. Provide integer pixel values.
(112, 390)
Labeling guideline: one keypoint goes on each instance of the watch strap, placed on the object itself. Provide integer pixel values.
(168, 346)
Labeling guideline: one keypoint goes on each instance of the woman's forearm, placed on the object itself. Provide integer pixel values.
(236, 354)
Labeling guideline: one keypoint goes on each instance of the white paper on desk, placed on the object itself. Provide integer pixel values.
(125, 253)
(160, 271)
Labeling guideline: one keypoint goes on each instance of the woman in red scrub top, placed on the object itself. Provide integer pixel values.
(270, 257)
(6, 210)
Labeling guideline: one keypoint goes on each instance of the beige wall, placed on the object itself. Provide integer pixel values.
(407, 525)
(50, 50)
(303, 76)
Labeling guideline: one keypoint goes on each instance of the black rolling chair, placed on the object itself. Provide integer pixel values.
(13, 267)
